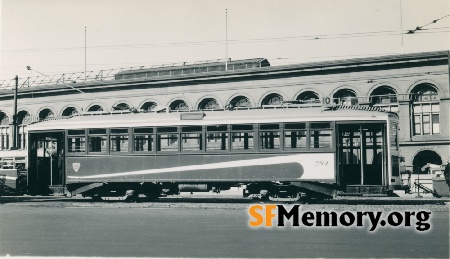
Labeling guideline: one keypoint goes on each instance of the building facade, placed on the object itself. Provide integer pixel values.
(417, 86)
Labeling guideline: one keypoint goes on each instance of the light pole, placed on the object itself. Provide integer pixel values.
(29, 68)
(14, 144)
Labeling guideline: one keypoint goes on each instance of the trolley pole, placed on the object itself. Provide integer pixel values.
(14, 142)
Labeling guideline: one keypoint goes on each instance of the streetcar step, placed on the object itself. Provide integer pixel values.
(58, 190)
(365, 189)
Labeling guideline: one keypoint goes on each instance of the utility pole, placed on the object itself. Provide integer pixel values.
(15, 133)
(226, 39)
(401, 23)
(85, 54)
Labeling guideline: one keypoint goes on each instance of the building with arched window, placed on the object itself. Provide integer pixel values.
(425, 110)
(4, 131)
(308, 97)
(240, 102)
(345, 97)
(272, 99)
(414, 85)
(95, 108)
(69, 111)
(148, 106)
(179, 105)
(384, 97)
(208, 104)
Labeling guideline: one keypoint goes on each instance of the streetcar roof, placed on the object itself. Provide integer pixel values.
(208, 118)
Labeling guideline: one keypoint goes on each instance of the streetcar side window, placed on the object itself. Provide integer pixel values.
(143, 139)
(295, 136)
(167, 139)
(76, 141)
(242, 137)
(191, 138)
(97, 140)
(118, 140)
(269, 136)
(217, 138)
(321, 135)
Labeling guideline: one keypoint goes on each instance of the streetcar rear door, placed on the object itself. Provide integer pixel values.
(46, 162)
(362, 154)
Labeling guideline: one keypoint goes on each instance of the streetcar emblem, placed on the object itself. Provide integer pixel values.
(76, 167)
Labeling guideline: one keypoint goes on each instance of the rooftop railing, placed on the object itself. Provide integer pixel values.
(125, 73)
(386, 99)
(65, 78)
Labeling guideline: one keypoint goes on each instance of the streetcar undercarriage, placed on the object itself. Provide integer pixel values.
(275, 191)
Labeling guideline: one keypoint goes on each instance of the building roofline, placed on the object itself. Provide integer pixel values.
(370, 60)
(232, 74)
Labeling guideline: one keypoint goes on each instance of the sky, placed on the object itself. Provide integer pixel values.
(63, 36)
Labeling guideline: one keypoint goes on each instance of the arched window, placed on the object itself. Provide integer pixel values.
(426, 110)
(179, 105)
(121, 107)
(272, 99)
(70, 111)
(424, 157)
(308, 97)
(4, 131)
(385, 97)
(95, 108)
(23, 119)
(4, 120)
(345, 97)
(148, 106)
(208, 104)
(46, 114)
(240, 101)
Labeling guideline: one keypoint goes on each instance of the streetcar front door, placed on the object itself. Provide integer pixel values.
(362, 155)
(46, 161)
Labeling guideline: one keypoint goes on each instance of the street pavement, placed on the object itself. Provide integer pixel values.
(207, 226)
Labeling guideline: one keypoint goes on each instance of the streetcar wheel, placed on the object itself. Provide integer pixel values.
(151, 196)
(132, 196)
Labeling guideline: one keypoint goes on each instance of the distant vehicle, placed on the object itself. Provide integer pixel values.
(412, 181)
(433, 169)
(281, 153)
(13, 172)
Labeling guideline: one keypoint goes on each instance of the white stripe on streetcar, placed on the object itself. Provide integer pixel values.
(307, 161)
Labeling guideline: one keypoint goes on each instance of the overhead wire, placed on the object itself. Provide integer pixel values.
(260, 40)
(418, 28)
(270, 39)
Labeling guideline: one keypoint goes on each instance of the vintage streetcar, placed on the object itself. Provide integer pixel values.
(282, 153)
